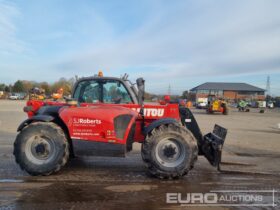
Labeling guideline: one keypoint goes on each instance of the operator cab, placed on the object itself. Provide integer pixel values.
(108, 90)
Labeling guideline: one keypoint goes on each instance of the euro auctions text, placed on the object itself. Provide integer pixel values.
(224, 198)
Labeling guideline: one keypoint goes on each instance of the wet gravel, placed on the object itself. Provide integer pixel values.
(122, 183)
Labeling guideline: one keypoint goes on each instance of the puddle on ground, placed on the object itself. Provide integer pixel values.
(11, 181)
(130, 188)
(9, 197)
(109, 194)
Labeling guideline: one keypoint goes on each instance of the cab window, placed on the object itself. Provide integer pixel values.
(104, 91)
(88, 92)
(114, 92)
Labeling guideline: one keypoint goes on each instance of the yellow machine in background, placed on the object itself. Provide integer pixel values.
(58, 95)
(37, 93)
(216, 105)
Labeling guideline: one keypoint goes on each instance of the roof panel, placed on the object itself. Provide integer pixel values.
(227, 86)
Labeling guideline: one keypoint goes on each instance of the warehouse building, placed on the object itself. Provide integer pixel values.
(228, 91)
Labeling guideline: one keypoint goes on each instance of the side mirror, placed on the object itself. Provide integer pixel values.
(141, 90)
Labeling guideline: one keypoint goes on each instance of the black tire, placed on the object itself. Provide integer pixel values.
(225, 112)
(157, 146)
(41, 148)
(209, 111)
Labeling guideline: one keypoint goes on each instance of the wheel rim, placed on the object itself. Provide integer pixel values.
(170, 152)
(40, 149)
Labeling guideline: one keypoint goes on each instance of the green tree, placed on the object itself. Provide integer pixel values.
(2, 87)
(46, 87)
(185, 94)
(7, 89)
(72, 81)
(28, 85)
(63, 83)
(18, 87)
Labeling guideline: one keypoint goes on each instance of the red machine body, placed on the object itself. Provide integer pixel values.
(94, 122)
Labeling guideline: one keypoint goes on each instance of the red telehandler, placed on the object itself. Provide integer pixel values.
(111, 111)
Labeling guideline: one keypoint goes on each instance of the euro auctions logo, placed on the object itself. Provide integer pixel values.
(191, 198)
(258, 198)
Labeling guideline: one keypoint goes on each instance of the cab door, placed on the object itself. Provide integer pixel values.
(114, 92)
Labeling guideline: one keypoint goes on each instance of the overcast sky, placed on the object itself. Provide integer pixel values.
(181, 43)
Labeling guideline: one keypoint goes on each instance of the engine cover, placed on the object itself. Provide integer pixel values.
(99, 123)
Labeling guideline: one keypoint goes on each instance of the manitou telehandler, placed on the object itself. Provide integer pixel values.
(111, 111)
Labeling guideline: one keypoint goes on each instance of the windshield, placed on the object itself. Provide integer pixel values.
(102, 91)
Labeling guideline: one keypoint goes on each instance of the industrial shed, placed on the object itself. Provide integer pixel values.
(230, 91)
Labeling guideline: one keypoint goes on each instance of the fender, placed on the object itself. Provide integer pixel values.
(37, 118)
(157, 123)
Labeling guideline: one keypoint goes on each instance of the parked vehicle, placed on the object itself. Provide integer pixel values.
(14, 96)
(37, 93)
(202, 103)
(243, 106)
(216, 105)
(270, 104)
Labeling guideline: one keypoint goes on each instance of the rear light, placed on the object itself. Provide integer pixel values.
(162, 102)
(167, 98)
(28, 109)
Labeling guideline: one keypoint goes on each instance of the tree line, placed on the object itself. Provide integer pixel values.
(24, 86)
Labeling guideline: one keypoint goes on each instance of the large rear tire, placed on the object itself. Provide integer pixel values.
(41, 148)
(169, 151)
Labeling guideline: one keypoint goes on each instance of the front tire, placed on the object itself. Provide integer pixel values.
(41, 148)
(225, 109)
(209, 111)
(169, 151)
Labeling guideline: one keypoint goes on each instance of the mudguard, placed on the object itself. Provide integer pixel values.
(157, 123)
(40, 118)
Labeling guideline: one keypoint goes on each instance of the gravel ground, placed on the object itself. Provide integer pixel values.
(251, 161)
